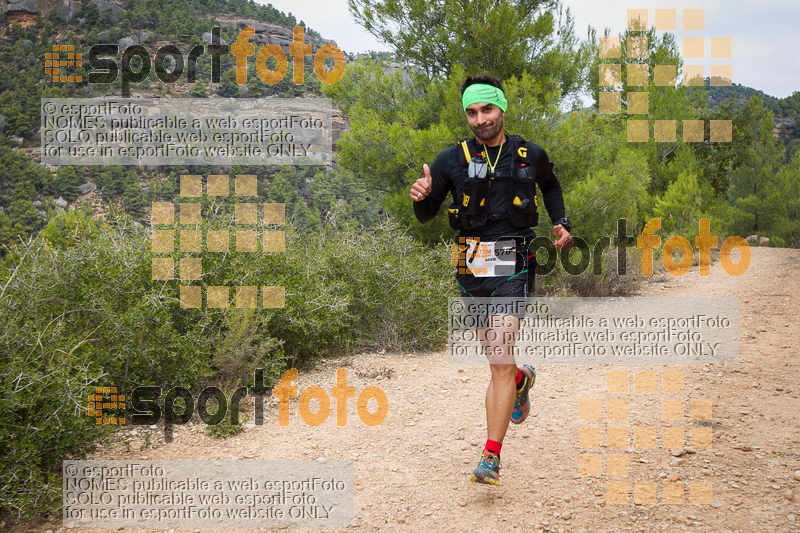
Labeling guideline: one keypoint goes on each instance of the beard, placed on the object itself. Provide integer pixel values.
(489, 130)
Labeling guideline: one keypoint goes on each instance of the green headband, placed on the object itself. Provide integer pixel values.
(480, 92)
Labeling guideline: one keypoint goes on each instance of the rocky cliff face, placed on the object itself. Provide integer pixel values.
(271, 33)
(20, 11)
(25, 11)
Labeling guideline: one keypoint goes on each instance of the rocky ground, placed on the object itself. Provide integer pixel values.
(412, 470)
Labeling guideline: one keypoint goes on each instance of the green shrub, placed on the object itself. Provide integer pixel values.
(225, 429)
(609, 282)
(79, 309)
(80, 314)
(777, 242)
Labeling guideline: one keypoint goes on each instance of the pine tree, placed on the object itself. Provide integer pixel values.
(66, 183)
(92, 14)
(255, 87)
(198, 90)
(228, 87)
(133, 200)
(757, 202)
(6, 230)
(503, 38)
(23, 217)
(307, 221)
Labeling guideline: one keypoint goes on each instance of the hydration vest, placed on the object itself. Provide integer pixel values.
(519, 202)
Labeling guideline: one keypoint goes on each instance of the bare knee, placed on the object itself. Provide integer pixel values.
(504, 371)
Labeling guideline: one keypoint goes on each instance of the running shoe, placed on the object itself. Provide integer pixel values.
(488, 471)
(522, 405)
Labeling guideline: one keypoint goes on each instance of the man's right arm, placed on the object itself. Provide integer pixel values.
(430, 191)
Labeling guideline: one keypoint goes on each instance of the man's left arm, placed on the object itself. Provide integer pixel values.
(553, 198)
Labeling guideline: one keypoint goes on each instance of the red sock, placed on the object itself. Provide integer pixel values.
(493, 446)
(520, 375)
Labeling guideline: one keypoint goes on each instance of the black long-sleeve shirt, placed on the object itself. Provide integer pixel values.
(447, 176)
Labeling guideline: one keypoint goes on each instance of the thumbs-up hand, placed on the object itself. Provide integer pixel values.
(422, 187)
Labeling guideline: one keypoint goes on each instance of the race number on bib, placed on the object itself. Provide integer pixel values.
(494, 258)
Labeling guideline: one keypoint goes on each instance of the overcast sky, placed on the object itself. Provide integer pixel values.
(764, 34)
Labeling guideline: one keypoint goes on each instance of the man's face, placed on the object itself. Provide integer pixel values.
(486, 120)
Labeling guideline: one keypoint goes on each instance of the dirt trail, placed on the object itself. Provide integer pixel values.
(412, 470)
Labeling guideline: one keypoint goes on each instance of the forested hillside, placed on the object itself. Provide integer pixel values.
(31, 194)
(79, 305)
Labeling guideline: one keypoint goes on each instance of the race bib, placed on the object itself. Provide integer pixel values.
(493, 258)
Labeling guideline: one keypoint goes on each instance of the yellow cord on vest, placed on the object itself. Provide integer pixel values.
(488, 161)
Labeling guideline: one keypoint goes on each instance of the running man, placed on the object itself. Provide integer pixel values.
(492, 179)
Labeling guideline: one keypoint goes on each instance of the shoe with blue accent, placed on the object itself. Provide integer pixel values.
(522, 405)
(488, 470)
